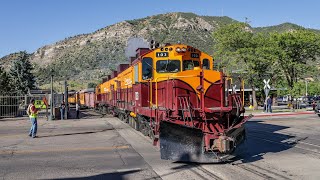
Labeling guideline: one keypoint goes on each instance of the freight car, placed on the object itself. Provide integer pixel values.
(174, 95)
(72, 95)
(86, 98)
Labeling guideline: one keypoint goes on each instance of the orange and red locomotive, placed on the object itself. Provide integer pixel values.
(174, 95)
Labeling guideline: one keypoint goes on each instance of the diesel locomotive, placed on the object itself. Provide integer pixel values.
(174, 95)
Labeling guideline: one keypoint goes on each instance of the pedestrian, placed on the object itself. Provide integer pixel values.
(269, 104)
(62, 109)
(78, 109)
(33, 113)
(314, 105)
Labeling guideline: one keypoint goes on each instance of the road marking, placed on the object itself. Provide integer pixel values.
(8, 151)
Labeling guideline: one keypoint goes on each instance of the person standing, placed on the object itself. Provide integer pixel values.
(62, 109)
(78, 109)
(269, 104)
(33, 113)
(314, 105)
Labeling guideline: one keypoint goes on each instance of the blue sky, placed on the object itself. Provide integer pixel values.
(30, 24)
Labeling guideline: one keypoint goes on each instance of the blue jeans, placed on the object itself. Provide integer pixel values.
(62, 113)
(34, 127)
(269, 108)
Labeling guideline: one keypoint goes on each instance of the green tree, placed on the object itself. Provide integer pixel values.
(241, 50)
(21, 77)
(4, 82)
(293, 51)
(92, 85)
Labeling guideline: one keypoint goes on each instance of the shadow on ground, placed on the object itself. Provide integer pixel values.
(76, 133)
(261, 139)
(113, 176)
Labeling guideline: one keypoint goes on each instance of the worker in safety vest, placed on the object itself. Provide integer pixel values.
(32, 111)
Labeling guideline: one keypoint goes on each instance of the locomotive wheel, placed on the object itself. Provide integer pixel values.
(114, 114)
(144, 130)
(126, 119)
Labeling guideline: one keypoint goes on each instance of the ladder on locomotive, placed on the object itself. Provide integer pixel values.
(186, 108)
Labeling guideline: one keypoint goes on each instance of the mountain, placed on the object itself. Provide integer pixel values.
(90, 56)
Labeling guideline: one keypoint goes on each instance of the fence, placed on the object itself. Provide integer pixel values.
(16, 106)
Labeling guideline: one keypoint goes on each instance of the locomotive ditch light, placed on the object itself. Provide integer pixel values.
(178, 49)
(183, 49)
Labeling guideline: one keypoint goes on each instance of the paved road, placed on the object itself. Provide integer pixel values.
(285, 147)
(282, 147)
(88, 148)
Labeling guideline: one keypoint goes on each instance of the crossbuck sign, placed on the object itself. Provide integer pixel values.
(266, 86)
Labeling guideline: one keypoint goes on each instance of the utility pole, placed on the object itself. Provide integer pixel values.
(306, 87)
(51, 98)
(66, 98)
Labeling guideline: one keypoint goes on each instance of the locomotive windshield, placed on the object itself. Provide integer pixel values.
(205, 64)
(168, 66)
(190, 64)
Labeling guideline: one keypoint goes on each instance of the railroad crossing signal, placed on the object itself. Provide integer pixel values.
(266, 86)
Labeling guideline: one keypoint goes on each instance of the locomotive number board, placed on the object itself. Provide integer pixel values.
(162, 54)
(195, 55)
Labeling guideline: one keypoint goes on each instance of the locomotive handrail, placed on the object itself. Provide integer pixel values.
(168, 77)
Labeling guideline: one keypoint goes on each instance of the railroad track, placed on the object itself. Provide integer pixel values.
(260, 171)
(208, 173)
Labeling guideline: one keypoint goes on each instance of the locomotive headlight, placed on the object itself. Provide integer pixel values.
(183, 49)
(178, 49)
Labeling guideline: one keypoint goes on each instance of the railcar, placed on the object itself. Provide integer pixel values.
(86, 98)
(72, 97)
(174, 95)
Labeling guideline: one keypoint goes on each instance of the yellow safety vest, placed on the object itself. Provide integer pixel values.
(32, 115)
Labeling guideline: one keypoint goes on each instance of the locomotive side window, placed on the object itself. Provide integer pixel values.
(205, 64)
(168, 66)
(147, 67)
(190, 64)
(136, 73)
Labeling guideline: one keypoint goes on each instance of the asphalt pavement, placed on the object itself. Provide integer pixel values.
(68, 149)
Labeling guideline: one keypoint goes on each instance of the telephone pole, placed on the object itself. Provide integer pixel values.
(66, 99)
(51, 98)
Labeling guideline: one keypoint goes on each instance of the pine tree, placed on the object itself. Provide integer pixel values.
(20, 74)
(4, 82)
